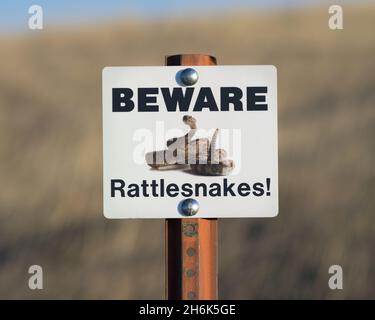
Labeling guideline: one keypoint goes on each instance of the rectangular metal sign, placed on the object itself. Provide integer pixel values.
(207, 133)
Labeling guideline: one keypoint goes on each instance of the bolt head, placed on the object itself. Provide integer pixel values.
(188, 207)
(189, 77)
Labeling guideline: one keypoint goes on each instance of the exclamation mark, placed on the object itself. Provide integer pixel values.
(268, 184)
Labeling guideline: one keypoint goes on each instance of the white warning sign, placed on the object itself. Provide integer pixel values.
(207, 133)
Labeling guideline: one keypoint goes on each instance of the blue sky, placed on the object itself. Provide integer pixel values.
(14, 13)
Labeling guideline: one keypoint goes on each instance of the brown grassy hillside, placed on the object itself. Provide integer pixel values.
(51, 162)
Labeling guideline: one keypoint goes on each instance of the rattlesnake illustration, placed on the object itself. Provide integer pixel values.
(200, 154)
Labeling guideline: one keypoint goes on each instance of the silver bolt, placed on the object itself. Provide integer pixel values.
(189, 76)
(188, 207)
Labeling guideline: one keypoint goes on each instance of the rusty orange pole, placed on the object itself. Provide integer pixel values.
(191, 245)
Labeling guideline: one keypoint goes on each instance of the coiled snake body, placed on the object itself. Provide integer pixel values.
(200, 154)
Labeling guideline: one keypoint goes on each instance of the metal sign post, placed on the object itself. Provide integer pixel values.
(224, 166)
(191, 244)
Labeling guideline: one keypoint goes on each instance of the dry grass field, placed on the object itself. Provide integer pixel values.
(51, 161)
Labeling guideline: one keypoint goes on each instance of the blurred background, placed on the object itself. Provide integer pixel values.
(51, 146)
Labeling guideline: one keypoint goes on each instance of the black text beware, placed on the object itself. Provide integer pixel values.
(177, 99)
